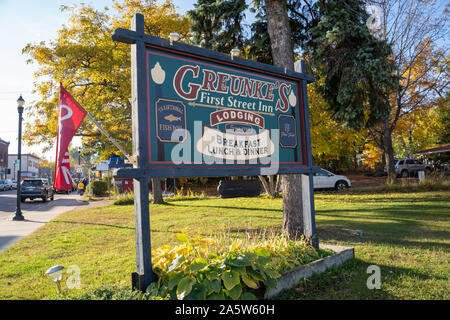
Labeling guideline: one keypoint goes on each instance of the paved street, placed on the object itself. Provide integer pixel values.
(8, 203)
(36, 214)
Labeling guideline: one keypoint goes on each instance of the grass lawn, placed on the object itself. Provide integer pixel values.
(405, 234)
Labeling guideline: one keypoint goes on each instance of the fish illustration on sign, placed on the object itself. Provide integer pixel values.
(172, 118)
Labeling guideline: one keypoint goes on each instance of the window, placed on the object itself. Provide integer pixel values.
(32, 183)
(410, 161)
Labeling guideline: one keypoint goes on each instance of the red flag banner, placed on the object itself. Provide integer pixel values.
(71, 114)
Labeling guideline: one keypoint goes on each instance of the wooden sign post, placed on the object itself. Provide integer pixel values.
(198, 113)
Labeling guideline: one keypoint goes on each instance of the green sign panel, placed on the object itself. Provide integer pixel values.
(204, 113)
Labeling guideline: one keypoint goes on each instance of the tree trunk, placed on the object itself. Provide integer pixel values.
(270, 188)
(277, 184)
(405, 151)
(157, 191)
(280, 34)
(264, 183)
(292, 205)
(283, 56)
(411, 153)
(389, 154)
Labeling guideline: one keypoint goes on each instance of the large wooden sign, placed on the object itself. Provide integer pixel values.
(202, 113)
(205, 114)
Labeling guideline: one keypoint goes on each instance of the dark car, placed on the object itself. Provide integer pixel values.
(36, 188)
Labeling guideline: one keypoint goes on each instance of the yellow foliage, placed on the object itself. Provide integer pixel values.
(95, 70)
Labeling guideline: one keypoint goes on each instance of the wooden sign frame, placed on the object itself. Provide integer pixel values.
(143, 165)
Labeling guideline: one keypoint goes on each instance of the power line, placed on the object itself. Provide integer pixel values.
(18, 91)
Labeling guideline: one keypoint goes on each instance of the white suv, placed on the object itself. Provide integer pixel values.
(326, 180)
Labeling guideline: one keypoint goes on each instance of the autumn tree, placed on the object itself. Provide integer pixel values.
(96, 71)
(93, 68)
(416, 30)
(420, 129)
(444, 116)
(160, 21)
(333, 145)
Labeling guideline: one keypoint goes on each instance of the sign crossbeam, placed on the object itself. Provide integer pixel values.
(130, 37)
(150, 173)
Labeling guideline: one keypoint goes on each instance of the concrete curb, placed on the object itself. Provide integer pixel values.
(291, 278)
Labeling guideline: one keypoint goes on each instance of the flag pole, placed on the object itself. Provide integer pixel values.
(107, 135)
(96, 123)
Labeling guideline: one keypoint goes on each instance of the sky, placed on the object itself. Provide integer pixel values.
(32, 21)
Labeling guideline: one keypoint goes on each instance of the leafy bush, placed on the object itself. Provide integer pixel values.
(188, 195)
(202, 268)
(127, 198)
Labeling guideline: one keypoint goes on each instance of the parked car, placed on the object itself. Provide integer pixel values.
(36, 188)
(324, 179)
(5, 184)
(14, 184)
(409, 167)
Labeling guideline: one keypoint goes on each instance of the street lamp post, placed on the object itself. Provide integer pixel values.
(79, 163)
(18, 216)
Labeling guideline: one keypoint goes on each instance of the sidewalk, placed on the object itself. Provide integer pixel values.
(12, 231)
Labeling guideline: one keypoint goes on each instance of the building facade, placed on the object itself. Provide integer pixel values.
(4, 145)
(29, 167)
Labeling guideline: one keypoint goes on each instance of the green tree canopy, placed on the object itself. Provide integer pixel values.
(355, 66)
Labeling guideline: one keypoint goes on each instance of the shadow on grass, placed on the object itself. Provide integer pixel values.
(391, 234)
(349, 281)
(228, 207)
(377, 200)
(113, 226)
(397, 212)
(94, 224)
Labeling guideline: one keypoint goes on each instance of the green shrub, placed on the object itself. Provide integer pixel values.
(124, 199)
(208, 269)
(188, 195)
(127, 198)
(99, 187)
(203, 268)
